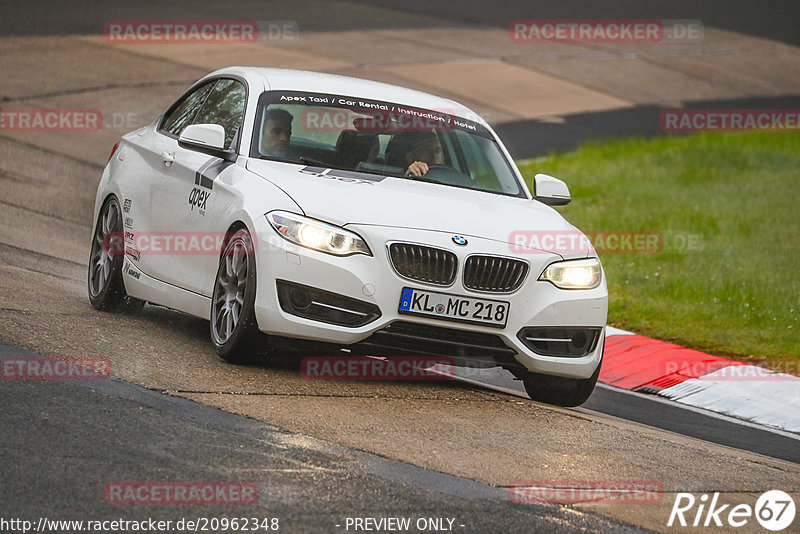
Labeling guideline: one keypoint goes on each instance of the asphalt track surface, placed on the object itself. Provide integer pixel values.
(89, 434)
(320, 452)
(85, 434)
(776, 20)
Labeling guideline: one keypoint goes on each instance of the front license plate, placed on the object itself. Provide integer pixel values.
(454, 307)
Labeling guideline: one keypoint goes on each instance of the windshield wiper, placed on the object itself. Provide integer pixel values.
(311, 161)
(318, 163)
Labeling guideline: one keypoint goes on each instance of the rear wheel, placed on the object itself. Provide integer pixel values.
(234, 331)
(559, 390)
(106, 288)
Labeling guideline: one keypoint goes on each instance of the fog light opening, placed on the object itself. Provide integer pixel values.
(579, 341)
(300, 299)
(324, 306)
(560, 341)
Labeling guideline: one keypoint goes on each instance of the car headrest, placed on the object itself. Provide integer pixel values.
(353, 147)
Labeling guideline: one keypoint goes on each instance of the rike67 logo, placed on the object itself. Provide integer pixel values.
(774, 510)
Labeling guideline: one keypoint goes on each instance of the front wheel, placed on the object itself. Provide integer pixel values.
(106, 288)
(559, 390)
(234, 331)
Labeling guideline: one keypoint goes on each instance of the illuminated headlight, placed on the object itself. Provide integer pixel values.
(575, 274)
(317, 235)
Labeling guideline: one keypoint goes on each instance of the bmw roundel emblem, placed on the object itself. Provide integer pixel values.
(460, 240)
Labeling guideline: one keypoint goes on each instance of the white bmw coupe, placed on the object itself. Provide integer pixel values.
(293, 206)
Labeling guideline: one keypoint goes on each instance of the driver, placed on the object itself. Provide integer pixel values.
(276, 132)
(414, 152)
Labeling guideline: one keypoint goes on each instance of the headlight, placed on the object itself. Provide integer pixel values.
(317, 235)
(574, 274)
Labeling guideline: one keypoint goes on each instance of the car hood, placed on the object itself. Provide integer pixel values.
(365, 199)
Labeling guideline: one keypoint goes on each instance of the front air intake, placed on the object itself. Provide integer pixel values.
(325, 306)
(563, 342)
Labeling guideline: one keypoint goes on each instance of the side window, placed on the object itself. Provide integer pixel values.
(224, 106)
(181, 114)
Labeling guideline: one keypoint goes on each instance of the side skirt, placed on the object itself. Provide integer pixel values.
(141, 286)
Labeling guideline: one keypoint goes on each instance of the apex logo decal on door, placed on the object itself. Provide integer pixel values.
(198, 199)
(204, 178)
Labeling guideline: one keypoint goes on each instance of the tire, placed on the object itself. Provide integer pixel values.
(558, 390)
(234, 331)
(105, 285)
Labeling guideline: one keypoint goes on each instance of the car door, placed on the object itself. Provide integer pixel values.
(157, 150)
(184, 200)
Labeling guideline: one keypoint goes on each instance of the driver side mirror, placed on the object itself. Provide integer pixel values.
(550, 190)
(208, 139)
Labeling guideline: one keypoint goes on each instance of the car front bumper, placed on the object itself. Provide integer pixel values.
(372, 281)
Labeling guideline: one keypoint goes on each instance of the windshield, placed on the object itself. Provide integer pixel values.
(373, 137)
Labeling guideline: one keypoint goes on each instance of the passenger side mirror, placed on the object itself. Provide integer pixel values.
(208, 139)
(550, 190)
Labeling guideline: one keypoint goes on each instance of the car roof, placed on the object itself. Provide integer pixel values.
(318, 82)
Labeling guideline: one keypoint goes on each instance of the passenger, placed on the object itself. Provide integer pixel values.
(276, 133)
(414, 152)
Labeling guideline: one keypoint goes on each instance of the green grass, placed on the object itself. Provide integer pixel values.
(739, 294)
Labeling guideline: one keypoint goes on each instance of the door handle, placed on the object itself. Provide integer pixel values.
(167, 158)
